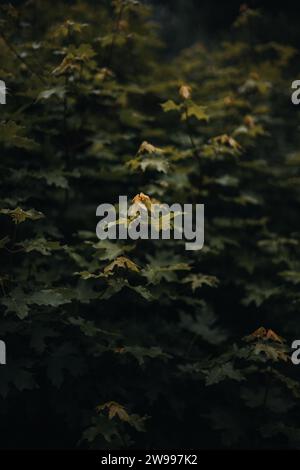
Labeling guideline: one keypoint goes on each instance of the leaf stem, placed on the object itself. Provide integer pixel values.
(190, 134)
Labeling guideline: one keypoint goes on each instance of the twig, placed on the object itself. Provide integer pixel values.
(189, 132)
(20, 58)
(115, 31)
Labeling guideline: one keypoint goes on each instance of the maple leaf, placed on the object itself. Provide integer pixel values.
(259, 333)
(19, 215)
(263, 333)
(68, 27)
(121, 262)
(104, 73)
(11, 134)
(249, 121)
(161, 267)
(204, 325)
(109, 250)
(68, 64)
(114, 409)
(41, 245)
(148, 148)
(158, 165)
(170, 106)
(58, 91)
(259, 294)
(142, 199)
(199, 112)
(273, 336)
(229, 100)
(185, 91)
(223, 372)
(225, 139)
(273, 353)
(198, 280)
(291, 276)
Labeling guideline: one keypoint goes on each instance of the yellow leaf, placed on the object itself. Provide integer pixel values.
(114, 409)
(259, 333)
(149, 148)
(225, 139)
(263, 333)
(185, 92)
(142, 199)
(121, 262)
(273, 336)
(18, 215)
(229, 100)
(249, 121)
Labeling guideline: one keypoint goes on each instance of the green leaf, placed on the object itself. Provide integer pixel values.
(223, 372)
(199, 112)
(170, 106)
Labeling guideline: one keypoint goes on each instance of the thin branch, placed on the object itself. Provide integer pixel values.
(189, 132)
(115, 32)
(20, 58)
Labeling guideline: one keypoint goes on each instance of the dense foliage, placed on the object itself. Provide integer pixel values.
(144, 344)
